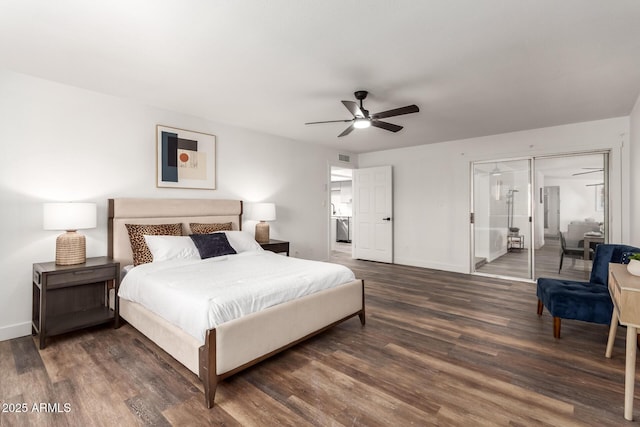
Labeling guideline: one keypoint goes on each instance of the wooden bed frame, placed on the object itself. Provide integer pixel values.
(240, 343)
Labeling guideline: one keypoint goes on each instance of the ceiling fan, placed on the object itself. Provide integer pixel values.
(594, 170)
(362, 119)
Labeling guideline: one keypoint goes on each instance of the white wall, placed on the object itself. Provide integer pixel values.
(431, 185)
(634, 159)
(577, 201)
(61, 143)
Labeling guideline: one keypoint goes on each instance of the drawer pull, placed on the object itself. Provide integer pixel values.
(83, 272)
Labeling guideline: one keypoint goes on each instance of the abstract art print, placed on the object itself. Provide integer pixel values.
(186, 159)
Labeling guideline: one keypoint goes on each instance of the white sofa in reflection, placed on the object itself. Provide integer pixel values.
(576, 229)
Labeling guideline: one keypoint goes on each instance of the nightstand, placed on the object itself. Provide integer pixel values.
(276, 246)
(71, 297)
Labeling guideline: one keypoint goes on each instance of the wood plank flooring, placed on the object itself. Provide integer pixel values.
(547, 260)
(438, 349)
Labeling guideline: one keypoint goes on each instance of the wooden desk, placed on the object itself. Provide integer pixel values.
(588, 239)
(625, 294)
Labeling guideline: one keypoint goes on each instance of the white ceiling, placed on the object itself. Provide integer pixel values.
(474, 67)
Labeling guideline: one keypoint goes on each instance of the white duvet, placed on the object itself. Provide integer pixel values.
(196, 295)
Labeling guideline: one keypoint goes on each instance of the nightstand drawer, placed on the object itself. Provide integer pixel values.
(81, 276)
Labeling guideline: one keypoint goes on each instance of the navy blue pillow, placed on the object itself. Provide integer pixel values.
(212, 245)
(625, 257)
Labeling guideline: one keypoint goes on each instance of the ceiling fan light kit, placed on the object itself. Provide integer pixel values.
(362, 119)
(361, 123)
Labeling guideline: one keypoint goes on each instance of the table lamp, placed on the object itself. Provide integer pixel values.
(70, 246)
(263, 212)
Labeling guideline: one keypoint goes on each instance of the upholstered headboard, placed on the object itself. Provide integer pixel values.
(164, 211)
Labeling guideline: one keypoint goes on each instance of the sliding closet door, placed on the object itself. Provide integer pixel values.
(501, 218)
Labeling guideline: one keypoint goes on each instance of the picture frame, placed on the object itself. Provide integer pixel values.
(185, 159)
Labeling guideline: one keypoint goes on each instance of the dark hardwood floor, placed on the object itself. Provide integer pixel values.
(547, 261)
(438, 349)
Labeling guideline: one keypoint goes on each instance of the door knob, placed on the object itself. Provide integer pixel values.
(386, 219)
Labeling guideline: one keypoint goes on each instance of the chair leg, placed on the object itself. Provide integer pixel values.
(541, 306)
(556, 327)
(561, 258)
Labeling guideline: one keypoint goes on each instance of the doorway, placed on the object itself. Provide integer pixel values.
(341, 210)
(551, 206)
(501, 223)
(520, 207)
(574, 204)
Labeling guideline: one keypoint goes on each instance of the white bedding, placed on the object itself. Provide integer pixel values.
(196, 295)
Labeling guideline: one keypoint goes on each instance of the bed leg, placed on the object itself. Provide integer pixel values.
(363, 320)
(208, 368)
(210, 395)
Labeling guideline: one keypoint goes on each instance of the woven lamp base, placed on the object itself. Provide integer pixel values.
(262, 232)
(70, 248)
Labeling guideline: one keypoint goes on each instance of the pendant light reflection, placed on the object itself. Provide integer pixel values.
(496, 189)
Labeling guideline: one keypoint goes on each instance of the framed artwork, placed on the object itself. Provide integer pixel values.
(185, 159)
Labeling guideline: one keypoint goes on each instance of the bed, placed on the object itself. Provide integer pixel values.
(237, 344)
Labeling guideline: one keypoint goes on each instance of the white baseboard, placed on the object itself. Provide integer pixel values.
(15, 331)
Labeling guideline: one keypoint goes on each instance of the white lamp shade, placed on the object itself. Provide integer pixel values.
(69, 216)
(263, 211)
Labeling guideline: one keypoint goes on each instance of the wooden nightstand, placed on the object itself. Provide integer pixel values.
(276, 246)
(71, 297)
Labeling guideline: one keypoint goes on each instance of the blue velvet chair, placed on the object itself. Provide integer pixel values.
(587, 301)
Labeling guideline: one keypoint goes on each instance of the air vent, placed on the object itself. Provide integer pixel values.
(344, 158)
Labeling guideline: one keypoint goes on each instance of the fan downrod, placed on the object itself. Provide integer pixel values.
(360, 94)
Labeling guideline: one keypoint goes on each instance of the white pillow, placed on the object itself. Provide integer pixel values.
(242, 241)
(165, 248)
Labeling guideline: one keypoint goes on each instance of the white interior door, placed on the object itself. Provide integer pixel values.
(373, 214)
(551, 210)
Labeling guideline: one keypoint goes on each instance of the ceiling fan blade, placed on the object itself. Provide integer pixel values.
(347, 131)
(396, 112)
(386, 126)
(584, 173)
(353, 108)
(329, 121)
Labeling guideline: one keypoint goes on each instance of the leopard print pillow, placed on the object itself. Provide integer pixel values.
(197, 228)
(141, 252)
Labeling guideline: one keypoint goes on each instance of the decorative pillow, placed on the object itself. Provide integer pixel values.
(212, 245)
(198, 228)
(141, 253)
(165, 248)
(624, 259)
(242, 241)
